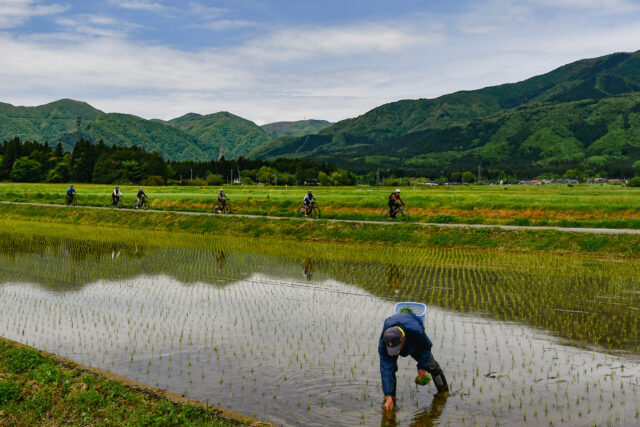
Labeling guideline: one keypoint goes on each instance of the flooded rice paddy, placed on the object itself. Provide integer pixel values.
(288, 332)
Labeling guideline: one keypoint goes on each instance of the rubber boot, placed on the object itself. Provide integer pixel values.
(441, 383)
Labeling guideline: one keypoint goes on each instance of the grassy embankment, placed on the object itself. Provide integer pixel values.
(37, 388)
(607, 206)
(401, 234)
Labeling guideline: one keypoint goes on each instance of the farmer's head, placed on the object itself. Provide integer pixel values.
(393, 340)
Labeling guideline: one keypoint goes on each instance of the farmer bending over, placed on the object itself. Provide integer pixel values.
(403, 335)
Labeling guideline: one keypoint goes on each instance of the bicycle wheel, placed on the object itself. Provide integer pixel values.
(315, 213)
(145, 205)
(227, 209)
(74, 202)
(402, 215)
(134, 205)
(301, 211)
(384, 213)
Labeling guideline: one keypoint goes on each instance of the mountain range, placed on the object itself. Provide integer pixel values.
(189, 137)
(585, 114)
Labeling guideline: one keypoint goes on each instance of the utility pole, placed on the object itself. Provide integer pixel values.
(231, 176)
(479, 175)
(276, 178)
(191, 174)
(378, 176)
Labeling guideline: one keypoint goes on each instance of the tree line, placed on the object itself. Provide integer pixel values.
(26, 161)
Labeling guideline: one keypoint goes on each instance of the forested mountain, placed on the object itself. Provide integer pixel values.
(238, 136)
(581, 114)
(190, 137)
(44, 122)
(299, 128)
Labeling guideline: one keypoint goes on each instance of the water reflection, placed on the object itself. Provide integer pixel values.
(307, 269)
(427, 418)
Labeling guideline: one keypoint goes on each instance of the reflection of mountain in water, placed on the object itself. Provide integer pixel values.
(575, 297)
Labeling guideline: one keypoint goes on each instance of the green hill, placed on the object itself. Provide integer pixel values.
(44, 122)
(127, 130)
(238, 136)
(435, 135)
(299, 128)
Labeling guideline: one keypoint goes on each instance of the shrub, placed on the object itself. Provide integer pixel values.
(153, 180)
(8, 391)
(22, 360)
(634, 182)
(26, 170)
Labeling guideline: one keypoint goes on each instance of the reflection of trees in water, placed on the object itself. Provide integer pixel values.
(14, 245)
(394, 277)
(221, 259)
(427, 418)
(307, 268)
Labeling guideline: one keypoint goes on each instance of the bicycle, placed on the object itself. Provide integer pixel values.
(117, 204)
(402, 214)
(143, 204)
(226, 210)
(71, 201)
(313, 212)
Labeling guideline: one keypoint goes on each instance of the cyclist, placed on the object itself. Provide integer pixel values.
(222, 200)
(140, 197)
(70, 194)
(395, 201)
(308, 201)
(115, 196)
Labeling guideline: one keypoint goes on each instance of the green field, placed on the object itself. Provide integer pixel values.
(607, 206)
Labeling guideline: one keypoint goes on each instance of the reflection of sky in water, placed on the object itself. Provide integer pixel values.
(303, 353)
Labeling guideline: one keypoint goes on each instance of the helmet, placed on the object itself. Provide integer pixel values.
(397, 190)
(141, 188)
(221, 190)
(309, 191)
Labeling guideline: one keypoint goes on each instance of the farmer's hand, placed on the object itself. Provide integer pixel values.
(422, 378)
(388, 403)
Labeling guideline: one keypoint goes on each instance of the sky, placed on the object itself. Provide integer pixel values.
(282, 60)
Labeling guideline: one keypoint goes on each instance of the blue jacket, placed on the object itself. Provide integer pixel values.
(416, 345)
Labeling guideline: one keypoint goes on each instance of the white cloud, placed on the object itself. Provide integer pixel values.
(301, 72)
(227, 24)
(14, 13)
(139, 4)
(360, 39)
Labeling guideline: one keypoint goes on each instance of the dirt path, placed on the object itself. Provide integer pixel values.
(426, 224)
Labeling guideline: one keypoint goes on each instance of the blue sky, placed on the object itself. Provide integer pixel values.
(290, 60)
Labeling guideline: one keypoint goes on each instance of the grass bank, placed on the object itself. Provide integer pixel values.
(598, 206)
(37, 388)
(398, 234)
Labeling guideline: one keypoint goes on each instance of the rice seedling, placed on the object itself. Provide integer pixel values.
(524, 338)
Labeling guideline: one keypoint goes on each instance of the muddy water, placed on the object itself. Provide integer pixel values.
(286, 342)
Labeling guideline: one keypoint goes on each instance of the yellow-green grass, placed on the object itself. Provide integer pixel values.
(611, 206)
(38, 388)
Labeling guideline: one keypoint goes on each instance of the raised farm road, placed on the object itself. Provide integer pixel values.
(426, 224)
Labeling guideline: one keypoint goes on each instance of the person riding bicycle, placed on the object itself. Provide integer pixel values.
(70, 194)
(115, 196)
(395, 202)
(222, 200)
(308, 201)
(140, 197)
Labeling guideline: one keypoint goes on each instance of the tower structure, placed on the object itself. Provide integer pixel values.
(79, 123)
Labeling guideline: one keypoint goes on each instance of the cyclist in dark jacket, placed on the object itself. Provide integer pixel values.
(403, 335)
(70, 194)
(222, 200)
(395, 201)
